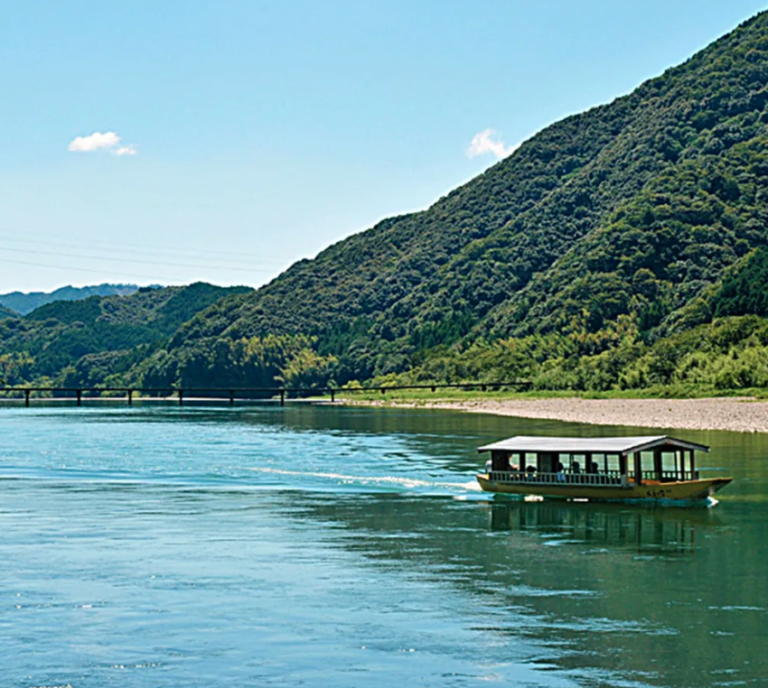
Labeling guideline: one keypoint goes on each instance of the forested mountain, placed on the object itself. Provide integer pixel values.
(6, 312)
(613, 228)
(89, 342)
(623, 247)
(26, 303)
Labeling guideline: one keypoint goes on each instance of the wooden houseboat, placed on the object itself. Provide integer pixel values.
(606, 468)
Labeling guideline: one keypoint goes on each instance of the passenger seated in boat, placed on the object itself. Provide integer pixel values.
(576, 467)
(530, 470)
(560, 475)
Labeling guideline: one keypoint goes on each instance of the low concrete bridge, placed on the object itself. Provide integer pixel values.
(179, 394)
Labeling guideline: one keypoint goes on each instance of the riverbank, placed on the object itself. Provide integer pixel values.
(739, 414)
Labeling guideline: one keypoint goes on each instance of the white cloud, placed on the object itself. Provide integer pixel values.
(483, 143)
(109, 140)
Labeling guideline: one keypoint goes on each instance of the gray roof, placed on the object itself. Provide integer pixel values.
(595, 445)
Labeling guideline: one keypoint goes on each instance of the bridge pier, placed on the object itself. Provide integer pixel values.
(222, 393)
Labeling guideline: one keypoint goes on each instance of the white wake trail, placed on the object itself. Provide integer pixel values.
(388, 480)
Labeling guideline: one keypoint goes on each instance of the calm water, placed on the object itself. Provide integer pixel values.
(317, 546)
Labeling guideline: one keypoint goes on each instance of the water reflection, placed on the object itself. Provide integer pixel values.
(672, 531)
(610, 595)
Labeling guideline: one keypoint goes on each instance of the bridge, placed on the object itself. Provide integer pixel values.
(231, 394)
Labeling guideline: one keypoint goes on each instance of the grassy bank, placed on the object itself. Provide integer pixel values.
(426, 396)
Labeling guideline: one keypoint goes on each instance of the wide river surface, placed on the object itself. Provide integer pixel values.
(161, 547)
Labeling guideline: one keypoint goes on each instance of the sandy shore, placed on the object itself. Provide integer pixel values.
(737, 414)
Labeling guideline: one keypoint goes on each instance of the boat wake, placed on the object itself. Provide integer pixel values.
(408, 483)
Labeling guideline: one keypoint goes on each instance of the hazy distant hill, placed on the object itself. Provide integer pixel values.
(26, 303)
(86, 341)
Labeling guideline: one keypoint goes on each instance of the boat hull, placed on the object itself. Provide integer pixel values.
(689, 490)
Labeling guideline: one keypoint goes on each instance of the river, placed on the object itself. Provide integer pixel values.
(162, 547)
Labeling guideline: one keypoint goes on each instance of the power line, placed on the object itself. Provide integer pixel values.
(140, 252)
(154, 278)
(239, 256)
(140, 262)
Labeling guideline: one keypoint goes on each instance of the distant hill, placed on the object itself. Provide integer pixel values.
(85, 342)
(6, 312)
(26, 303)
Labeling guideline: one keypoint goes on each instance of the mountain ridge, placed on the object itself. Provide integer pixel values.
(89, 341)
(23, 303)
(537, 243)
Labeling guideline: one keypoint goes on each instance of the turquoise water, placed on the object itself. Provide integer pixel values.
(324, 546)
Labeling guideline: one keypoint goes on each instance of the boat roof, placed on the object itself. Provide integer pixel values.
(593, 445)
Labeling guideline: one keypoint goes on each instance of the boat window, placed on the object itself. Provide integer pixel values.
(500, 460)
(646, 461)
(600, 461)
(613, 462)
(670, 461)
(578, 463)
(547, 462)
(528, 462)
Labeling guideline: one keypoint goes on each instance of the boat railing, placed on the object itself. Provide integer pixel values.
(670, 476)
(613, 478)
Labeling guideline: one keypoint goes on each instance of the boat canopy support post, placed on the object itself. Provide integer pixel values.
(638, 469)
(682, 464)
(26, 397)
(693, 464)
(658, 462)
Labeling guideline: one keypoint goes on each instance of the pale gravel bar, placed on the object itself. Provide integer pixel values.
(739, 414)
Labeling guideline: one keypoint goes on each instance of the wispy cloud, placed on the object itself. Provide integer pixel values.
(484, 142)
(109, 141)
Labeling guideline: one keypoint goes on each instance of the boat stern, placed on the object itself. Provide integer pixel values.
(484, 480)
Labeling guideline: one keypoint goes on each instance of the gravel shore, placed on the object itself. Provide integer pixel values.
(740, 414)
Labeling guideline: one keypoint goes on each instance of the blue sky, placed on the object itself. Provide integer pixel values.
(252, 134)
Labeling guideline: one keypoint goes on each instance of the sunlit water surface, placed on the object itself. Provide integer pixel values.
(323, 546)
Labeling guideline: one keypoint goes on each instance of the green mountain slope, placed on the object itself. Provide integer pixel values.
(85, 342)
(6, 312)
(605, 227)
(25, 303)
